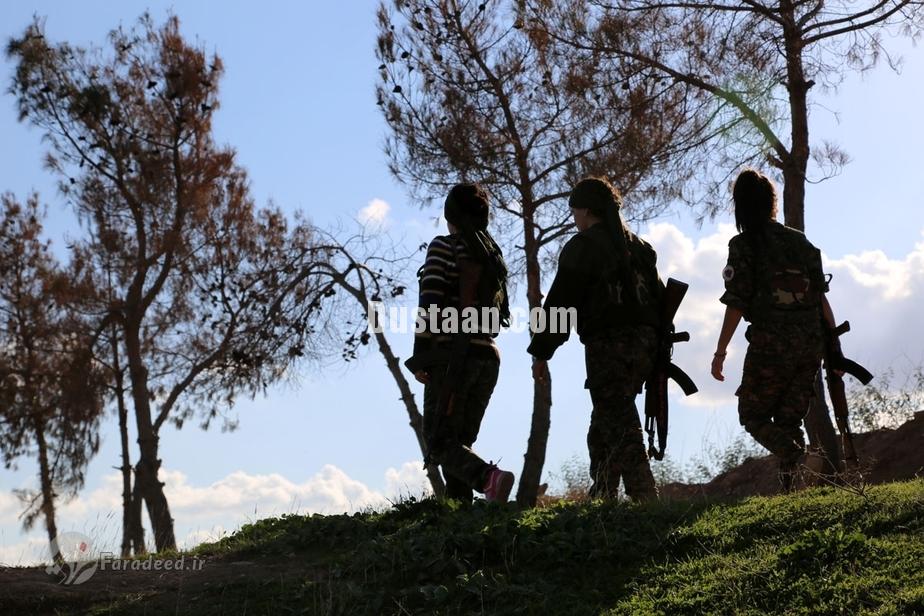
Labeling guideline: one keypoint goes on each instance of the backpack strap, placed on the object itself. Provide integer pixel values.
(469, 276)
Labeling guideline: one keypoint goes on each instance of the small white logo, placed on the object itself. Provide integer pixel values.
(728, 273)
(79, 563)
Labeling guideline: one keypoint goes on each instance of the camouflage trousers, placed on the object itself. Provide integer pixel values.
(778, 385)
(451, 437)
(618, 362)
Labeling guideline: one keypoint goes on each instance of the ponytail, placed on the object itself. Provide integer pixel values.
(755, 202)
(604, 201)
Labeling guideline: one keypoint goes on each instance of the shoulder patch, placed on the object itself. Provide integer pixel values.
(728, 273)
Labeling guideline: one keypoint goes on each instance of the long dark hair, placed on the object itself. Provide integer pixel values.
(604, 201)
(755, 202)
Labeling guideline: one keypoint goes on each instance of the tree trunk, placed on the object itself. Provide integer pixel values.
(821, 432)
(135, 525)
(416, 420)
(150, 487)
(126, 470)
(132, 529)
(818, 422)
(795, 165)
(48, 494)
(394, 366)
(794, 193)
(534, 459)
(152, 491)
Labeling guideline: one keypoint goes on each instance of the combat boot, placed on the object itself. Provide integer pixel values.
(788, 471)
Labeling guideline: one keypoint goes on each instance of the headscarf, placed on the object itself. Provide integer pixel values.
(467, 208)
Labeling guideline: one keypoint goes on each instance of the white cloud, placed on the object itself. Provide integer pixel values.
(195, 537)
(329, 491)
(699, 263)
(874, 271)
(882, 299)
(105, 497)
(375, 213)
(30, 551)
(409, 480)
(9, 505)
(204, 513)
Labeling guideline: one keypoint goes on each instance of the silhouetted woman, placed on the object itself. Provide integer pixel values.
(774, 280)
(463, 270)
(608, 275)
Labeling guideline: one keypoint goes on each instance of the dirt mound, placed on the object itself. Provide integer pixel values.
(214, 588)
(885, 455)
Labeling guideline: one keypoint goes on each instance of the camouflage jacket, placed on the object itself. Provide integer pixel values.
(774, 277)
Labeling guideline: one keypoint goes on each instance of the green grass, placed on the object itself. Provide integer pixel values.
(823, 551)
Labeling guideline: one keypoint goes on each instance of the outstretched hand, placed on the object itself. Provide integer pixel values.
(718, 362)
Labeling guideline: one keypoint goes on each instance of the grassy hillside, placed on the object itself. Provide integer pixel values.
(823, 551)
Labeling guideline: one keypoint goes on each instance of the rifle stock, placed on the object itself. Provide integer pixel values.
(839, 403)
(656, 404)
(835, 362)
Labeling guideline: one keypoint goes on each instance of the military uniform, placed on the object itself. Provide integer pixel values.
(777, 281)
(618, 328)
(451, 436)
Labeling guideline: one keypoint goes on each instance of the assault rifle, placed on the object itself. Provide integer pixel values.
(664, 369)
(835, 363)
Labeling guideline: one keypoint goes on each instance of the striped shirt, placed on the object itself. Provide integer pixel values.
(439, 287)
(439, 276)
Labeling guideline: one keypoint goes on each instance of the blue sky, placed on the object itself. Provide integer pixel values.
(298, 104)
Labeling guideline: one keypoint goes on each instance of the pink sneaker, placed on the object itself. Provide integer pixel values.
(498, 485)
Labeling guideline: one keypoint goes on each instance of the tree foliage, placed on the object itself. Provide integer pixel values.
(758, 59)
(472, 92)
(51, 389)
(212, 297)
(884, 403)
